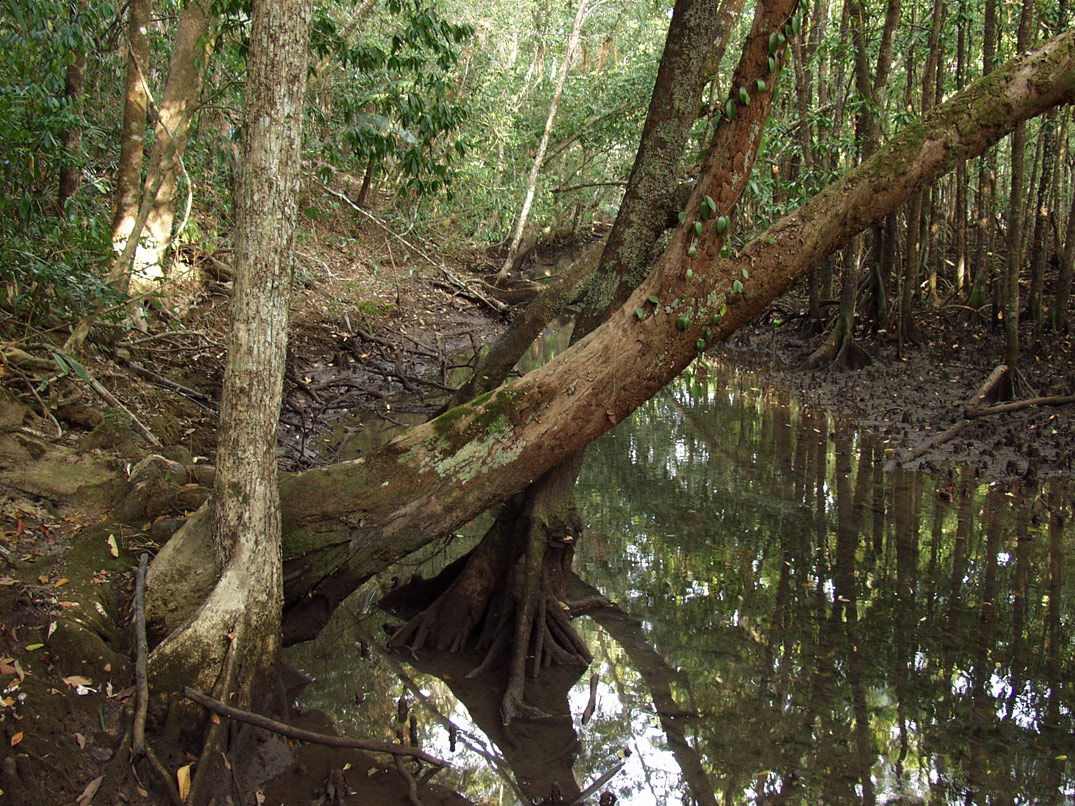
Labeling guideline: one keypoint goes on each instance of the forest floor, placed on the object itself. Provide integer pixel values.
(379, 323)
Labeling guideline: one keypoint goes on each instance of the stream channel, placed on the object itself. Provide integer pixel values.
(793, 624)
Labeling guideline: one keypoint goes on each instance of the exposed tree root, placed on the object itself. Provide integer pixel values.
(505, 596)
(840, 349)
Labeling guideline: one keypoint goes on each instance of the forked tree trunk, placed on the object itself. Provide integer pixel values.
(549, 520)
(344, 522)
(244, 607)
(649, 201)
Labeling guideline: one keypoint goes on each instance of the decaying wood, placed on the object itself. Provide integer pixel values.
(259, 721)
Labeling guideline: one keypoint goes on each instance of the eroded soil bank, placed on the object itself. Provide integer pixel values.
(79, 508)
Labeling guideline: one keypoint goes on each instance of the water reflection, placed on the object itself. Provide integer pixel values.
(793, 625)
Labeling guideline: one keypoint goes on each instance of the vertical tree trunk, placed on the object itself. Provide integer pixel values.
(132, 135)
(554, 105)
(71, 138)
(960, 234)
(1014, 239)
(1039, 240)
(987, 177)
(246, 602)
(1062, 300)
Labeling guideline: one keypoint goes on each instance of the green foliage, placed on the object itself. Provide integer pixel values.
(396, 109)
(47, 259)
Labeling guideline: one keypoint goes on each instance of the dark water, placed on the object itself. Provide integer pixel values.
(795, 626)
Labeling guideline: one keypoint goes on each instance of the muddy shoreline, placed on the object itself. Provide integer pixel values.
(908, 400)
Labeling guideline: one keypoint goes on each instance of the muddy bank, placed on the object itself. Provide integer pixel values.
(910, 399)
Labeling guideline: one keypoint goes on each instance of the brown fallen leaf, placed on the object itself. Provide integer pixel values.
(91, 789)
(59, 583)
(16, 738)
(182, 778)
(77, 680)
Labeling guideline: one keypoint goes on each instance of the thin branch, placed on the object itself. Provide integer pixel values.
(141, 681)
(305, 735)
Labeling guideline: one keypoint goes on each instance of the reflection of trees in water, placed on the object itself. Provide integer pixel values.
(873, 634)
(844, 634)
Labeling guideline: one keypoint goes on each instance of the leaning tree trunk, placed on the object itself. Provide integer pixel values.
(345, 522)
(241, 616)
(186, 69)
(548, 518)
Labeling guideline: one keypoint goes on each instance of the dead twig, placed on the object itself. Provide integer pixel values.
(305, 735)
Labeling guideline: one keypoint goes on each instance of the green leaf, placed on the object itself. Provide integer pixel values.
(744, 96)
(737, 286)
(774, 42)
(760, 84)
(745, 273)
(682, 216)
(698, 227)
(700, 344)
(654, 300)
(683, 322)
(641, 314)
(692, 251)
(722, 224)
(712, 205)
(61, 363)
(772, 64)
(690, 273)
(729, 108)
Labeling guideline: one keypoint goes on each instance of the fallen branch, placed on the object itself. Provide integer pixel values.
(83, 374)
(974, 410)
(138, 745)
(1016, 405)
(305, 735)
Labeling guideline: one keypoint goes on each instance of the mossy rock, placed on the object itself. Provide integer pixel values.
(114, 433)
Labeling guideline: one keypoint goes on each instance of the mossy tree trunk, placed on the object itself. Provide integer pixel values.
(345, 522)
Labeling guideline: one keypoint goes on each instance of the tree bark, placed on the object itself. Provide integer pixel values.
(245, 603)
(186, 70)
(132, 135)
(1014, 239)
(344, 522)
(71, 138)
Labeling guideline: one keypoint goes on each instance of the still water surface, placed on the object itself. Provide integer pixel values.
(794, 625)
